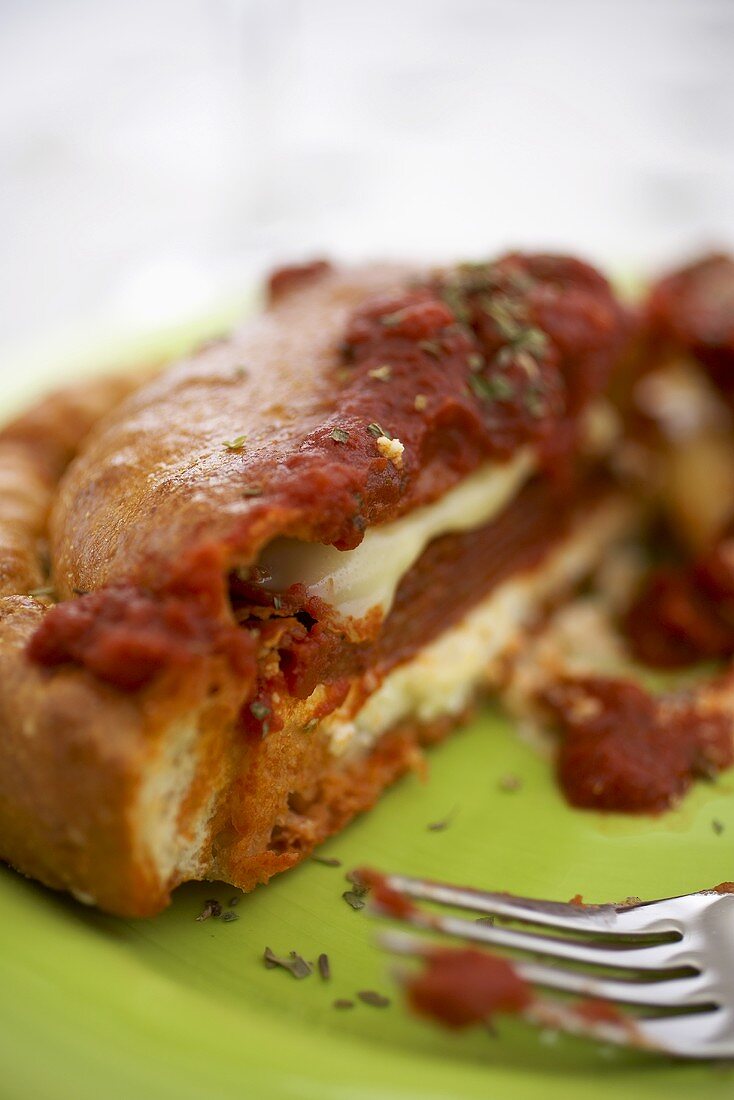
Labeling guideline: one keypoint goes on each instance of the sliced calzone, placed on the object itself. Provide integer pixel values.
(238, 600)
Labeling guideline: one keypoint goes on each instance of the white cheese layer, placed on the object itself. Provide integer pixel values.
(355, 581)
(443, 678)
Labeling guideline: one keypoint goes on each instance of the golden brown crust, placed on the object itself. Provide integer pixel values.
(67, 765)
(72, 750)
(35, 449)
(324, 798)
(25, 497)
(152, 484)
(75, 756)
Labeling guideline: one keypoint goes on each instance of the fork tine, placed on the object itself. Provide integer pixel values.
(703, 1035)
(660, 956)
(554, 914)
(687, 992)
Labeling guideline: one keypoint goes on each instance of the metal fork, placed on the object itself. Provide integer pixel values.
(674, 954)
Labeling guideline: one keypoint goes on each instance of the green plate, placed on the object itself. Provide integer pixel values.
(96, 1007)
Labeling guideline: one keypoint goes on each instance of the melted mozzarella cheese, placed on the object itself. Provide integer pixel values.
(355, 581)
(443, 678)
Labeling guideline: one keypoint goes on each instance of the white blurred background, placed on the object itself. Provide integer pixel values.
(156, 155)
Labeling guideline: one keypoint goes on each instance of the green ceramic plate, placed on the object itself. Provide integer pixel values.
(95, 1007)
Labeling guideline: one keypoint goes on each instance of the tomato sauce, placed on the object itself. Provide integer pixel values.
(685, 613)
(383, 897)
(624, 749)
(458, 368)
(127, 636)
(462, 987)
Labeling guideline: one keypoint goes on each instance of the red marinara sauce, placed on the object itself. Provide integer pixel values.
(461, 987)
(530, 339)
(455, 368)
(126, 635)
(692, 311)
(383, 897)
(626, 750)
(685, 614)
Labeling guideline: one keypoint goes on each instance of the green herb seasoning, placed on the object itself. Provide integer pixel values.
(376, 430)
(535, 402)
(430, 347)
(235, 444)
(212, 908)
(339, 435)
(372, 998)
(455, 297)
(499, 294)
(506, 314)
(324, 966)
(532, 340)
(294, 964)
(495, 388)
(495, 290)
(354, 899)
(443, 823)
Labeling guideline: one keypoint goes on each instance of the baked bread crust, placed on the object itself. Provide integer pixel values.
(160, 476)
(68, 743)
